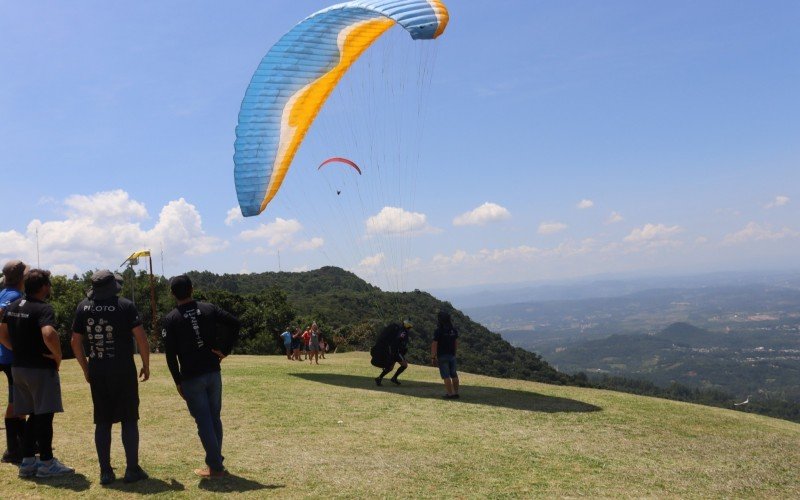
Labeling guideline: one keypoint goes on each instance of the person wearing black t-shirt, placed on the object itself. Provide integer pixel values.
(197, 336)
(28, 329)
(443, 353)
(109, 324)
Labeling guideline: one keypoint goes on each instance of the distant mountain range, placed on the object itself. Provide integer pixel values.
(740, 334)
(737, 363)
(605, 287)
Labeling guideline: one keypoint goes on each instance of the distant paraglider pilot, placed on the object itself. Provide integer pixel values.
(391, 348)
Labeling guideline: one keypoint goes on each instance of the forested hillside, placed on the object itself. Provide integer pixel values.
(351, 312)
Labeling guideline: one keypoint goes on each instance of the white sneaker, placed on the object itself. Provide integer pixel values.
(53, 467)
(29, 466)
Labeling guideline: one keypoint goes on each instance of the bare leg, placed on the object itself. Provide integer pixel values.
(455, 385)
(448, 385)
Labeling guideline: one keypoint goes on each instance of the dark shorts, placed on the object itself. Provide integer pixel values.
(7, 370)
(295, 344)
(37, 391)
(447, 366)
(115, 395)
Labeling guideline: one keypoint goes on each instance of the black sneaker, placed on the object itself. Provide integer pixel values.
(395, 381)
(378, 381)
(11, 458)
(107, 477)
(133, 475)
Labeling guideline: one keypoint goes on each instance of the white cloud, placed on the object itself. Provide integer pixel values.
(101, 229)
(234, 216)
(393, 220)
(15, 245)
(373, 261)
(282, 234)
(311, 244)
(584, 204)
(488, 212)
(614, 218)
(653, 235)
(115, 205)
(756, 232)
(551, 227)
(779, 201)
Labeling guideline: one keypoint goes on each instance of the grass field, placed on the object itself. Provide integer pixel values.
(295, 430)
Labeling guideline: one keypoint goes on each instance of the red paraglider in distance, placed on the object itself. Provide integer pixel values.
(340, 160)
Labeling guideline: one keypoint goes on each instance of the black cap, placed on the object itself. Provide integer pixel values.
(104, 285)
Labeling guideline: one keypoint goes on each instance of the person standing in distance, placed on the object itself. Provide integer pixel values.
(13, 286)
(443, 353)
(110, 324)
(286, 336)
(29, 329)
(197, 337)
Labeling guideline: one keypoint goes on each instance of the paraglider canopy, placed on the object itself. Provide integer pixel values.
(337, 159)
(297, 76)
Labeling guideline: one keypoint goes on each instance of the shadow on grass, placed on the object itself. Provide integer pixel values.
(492, 396)
(232, 483)
(72, 482)
(149, 486)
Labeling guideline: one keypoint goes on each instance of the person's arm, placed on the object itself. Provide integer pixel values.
(434, 350)
(5, 338)
(231, 333)
(144, 351)
(80, 356)
(50, 337)
(171, 353)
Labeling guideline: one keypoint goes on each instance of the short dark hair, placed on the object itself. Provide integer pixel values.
(181, 287)
(35, 279)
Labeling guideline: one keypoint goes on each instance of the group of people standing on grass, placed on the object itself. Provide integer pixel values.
(197, 337)
(301, 345)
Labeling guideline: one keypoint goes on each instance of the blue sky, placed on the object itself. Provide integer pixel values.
(560, 139)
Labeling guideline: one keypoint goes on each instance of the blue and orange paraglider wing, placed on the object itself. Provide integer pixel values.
(297, 75)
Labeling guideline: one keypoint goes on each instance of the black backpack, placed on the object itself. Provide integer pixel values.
(381, 352)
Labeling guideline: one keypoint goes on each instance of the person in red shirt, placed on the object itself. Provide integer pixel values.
(306, 341)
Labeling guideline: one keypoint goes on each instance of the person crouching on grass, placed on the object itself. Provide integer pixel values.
(194, 352)
(111, 323)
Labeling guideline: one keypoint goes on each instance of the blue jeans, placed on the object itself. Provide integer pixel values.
(203, 396)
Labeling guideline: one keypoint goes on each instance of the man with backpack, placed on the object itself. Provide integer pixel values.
(110, 324)
(391, 348)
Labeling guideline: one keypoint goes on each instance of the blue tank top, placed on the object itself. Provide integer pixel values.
(7, 296)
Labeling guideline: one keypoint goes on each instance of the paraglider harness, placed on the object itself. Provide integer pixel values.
(384, 352)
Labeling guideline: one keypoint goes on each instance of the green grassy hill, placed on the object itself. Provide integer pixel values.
(296, 430)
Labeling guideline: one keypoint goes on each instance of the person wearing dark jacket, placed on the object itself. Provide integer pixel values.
(395, 339)
(109, 325)
(197, 337)
(443, 353)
